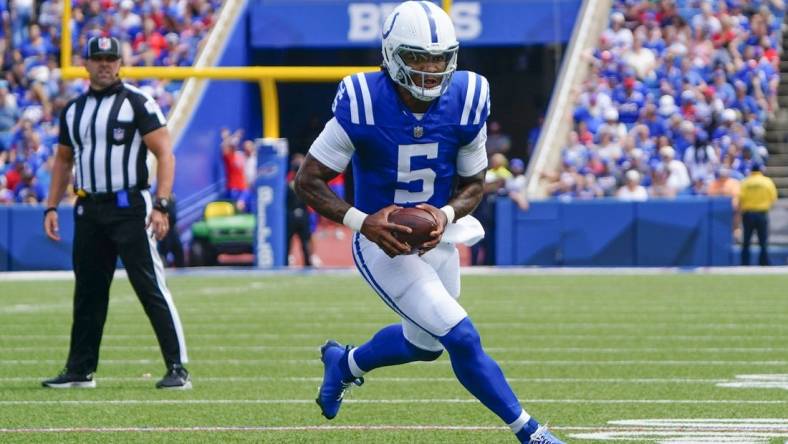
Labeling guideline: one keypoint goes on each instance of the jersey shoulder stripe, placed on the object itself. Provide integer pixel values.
(353, 103)
(366, 98)
(472, 91)
(484, 100)
(351, 98)
(470, 94)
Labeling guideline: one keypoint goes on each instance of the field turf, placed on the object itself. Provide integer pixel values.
(674, 358)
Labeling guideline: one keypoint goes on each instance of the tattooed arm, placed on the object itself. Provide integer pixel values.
(311, 184)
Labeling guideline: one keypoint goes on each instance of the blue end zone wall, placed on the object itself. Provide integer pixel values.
(692, 232)
(5, 239)
(22, 236)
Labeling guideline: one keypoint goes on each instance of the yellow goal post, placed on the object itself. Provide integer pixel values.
(266, 76)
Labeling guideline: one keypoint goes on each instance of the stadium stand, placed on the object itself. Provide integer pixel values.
(676, 90)
(32, 93)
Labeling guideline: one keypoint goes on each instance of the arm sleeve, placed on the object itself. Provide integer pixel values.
(333, 148)
(147, 114)
(63, 137)
(472, 158)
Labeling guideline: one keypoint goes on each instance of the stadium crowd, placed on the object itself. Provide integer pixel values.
(676, 101)
(32, 91)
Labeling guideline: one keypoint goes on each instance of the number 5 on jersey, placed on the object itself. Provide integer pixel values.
(407, 175)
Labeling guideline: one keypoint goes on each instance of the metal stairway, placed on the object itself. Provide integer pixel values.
(777, 128)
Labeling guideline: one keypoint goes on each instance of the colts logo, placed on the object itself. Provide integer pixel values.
(118, 134)
(104, 43)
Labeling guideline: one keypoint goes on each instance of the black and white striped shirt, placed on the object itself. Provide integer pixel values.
(105, 129)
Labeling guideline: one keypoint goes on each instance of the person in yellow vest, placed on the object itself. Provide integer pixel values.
(756, 197)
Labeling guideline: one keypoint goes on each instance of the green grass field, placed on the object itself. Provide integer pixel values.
(583, 352)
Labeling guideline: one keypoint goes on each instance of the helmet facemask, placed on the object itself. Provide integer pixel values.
(423, 85)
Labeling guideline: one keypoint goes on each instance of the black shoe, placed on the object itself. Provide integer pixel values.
(176, 378)
(70, 380)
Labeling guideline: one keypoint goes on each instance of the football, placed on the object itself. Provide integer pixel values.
(420, 221)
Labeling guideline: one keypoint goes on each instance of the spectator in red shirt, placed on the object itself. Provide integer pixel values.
(236, 187)
(151, 38)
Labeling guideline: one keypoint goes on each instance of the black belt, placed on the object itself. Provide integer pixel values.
(104, 197)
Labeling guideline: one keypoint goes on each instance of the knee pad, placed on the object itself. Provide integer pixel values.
(423, 355)
(462, 338)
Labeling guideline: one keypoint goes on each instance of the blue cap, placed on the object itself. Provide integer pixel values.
(516, 164)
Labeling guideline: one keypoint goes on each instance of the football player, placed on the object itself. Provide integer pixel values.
(412, 131)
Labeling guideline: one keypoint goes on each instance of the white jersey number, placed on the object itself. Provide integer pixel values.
(406, 175)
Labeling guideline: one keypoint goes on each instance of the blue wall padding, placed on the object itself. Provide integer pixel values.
(601, 233)
(5, 240)
(681, 232)
(721, 221)
(598, 233)
(539, 228)
(30, 248)
(673, 233)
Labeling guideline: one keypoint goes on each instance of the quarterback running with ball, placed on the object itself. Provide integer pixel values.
(416, 133)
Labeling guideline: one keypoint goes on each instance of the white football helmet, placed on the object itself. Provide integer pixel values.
(419, 30)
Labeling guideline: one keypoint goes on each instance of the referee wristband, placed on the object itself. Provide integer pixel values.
(49, 209)
(448, 210)
(354, 218)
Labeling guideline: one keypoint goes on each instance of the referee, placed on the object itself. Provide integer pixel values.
(106, 134)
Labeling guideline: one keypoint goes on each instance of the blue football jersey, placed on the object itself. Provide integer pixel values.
(398, 158)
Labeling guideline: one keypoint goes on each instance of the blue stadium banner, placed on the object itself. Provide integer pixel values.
(353, 23)
(271, 203)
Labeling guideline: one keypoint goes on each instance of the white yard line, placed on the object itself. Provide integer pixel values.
(483, 271)
(381, 401)
(233, 379)
(259, 428)
(635, 327)
(671, 430)
(652, 362)
(321, 336)
(251, 429)
(87, 402)
(312, 348)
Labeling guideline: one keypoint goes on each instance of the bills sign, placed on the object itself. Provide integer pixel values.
(270, 196)
(339, 24)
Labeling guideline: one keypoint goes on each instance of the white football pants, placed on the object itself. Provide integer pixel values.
(423, 290)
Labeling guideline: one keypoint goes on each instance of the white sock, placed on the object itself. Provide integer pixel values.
(520, 422)
(354, 368)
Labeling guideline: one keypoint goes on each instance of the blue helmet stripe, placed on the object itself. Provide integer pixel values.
(433, 27)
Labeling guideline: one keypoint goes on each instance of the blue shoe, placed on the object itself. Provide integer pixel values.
(543, 436)
(331, 392)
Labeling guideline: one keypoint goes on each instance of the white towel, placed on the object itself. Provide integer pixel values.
(467, 230)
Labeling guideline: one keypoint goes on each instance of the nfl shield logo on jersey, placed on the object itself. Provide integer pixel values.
(418, 131)
(118, 134)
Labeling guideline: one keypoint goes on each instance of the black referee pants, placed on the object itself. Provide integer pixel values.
(758, 222)
(104, 231)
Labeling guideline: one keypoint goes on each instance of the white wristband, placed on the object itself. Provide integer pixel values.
(354, 218)
(448, 210)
